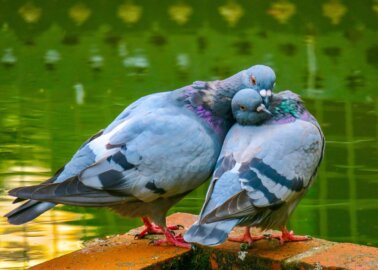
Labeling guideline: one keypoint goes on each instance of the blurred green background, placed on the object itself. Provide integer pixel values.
(67, 68)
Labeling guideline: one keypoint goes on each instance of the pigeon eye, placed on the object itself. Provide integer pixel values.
(253, 80)
(243, 108)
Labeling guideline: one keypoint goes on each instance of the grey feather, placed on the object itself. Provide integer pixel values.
(28, 211)
(31, 209)
(210, 234)
(71, 192)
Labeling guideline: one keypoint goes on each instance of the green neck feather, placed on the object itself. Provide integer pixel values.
(287, 107)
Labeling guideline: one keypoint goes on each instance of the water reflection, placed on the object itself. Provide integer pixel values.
(8, 58)
(48, 237)
(51, 58)
(68, 72)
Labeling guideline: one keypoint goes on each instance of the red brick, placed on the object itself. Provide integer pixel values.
(123, 252)
(346, 256)
(120, 252)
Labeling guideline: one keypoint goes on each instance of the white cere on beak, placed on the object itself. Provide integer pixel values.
(269, 93)
(260, 108)
(263, 93)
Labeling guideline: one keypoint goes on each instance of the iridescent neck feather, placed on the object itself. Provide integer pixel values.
(288, 109)
(213, 108)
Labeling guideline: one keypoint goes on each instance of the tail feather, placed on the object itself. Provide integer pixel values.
(71, 192)
(17, 200)
(28, 211)
(210, 234)
(48, 181)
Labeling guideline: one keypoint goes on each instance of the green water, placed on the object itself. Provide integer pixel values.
(68, 69)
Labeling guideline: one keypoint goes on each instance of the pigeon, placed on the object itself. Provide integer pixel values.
(268, 161)
(155, 152)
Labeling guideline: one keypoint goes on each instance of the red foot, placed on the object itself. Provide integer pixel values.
(287, 236)
(153, 229)
(246, 238)
(171, 239)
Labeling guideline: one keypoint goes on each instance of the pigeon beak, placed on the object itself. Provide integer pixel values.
(262, 108)
(266, 100)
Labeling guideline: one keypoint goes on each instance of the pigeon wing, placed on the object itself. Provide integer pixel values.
(130, 162)
(224, 183)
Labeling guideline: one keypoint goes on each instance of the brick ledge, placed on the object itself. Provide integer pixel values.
(123, 252)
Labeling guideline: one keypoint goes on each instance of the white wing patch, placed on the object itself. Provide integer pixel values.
(98, 145)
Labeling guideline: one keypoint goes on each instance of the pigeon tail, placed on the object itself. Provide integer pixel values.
(28, 211)
(210, 234)
(71, 192)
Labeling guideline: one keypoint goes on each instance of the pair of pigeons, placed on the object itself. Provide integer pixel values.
(164, 145)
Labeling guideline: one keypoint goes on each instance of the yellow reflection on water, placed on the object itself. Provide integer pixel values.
(180, 13)
(46, 237)
(30, 13)
(334, 10)
(130, 13)
(231, 12)
(79, 13)
(282, 11)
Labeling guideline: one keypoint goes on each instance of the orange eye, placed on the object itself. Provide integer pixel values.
(253, 80)
(243, 108)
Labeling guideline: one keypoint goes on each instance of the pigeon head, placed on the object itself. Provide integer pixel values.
(248, 107)
(260, 78)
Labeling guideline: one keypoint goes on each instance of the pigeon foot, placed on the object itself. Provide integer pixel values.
(289, 236)
(246, 237)
(151, 228)
(171, 239)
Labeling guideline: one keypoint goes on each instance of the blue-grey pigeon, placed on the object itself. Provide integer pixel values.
(155, 152)
(268, 161)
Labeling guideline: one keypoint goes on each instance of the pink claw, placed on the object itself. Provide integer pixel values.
(246, 238)
(151, 228)
(177, 241)
(287, 236)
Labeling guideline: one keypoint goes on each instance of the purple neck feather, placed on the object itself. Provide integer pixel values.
(216, 123)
